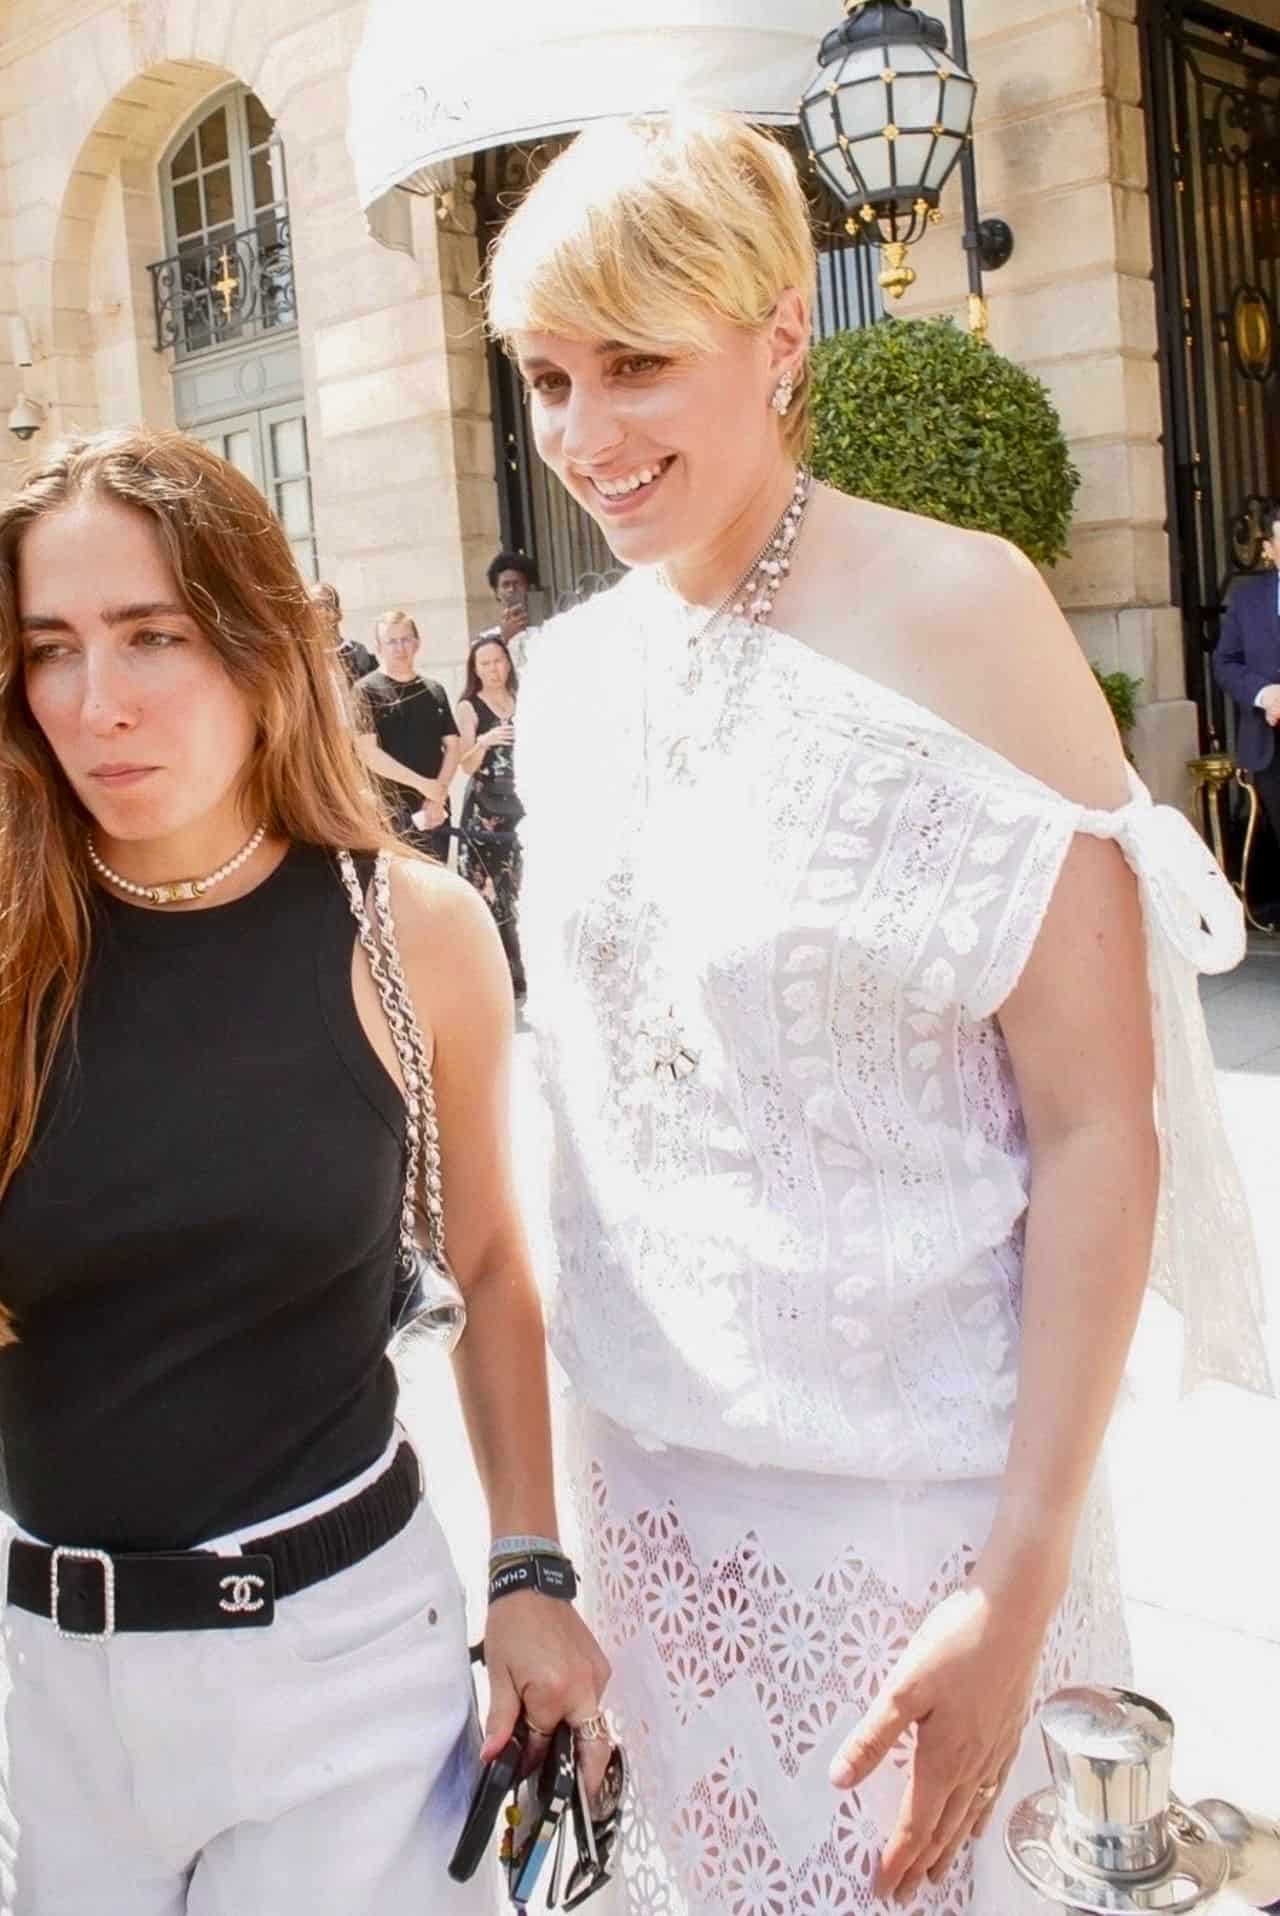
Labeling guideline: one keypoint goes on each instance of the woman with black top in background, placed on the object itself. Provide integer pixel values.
(237, 1661)
(489, 855)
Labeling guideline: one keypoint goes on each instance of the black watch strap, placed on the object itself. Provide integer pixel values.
(549, 1576)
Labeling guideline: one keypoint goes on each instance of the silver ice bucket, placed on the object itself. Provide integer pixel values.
(1108, 1835)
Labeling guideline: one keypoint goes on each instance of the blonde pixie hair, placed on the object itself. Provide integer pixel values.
(642, 229)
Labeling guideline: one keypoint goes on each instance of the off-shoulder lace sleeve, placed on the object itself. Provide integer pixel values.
(1205, 1260)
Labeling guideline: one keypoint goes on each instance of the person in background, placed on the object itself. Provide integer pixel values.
(409, 737)
(489, 855)
(1246, 665)
(512, 576)
(355, 659)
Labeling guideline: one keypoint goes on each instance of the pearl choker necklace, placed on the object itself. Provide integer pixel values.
(178, 891)
(752, 598)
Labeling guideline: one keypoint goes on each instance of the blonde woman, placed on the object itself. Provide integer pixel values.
(237, 1661)
(856, 1167)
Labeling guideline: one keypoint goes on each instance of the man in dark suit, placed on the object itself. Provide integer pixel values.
(1247, 665)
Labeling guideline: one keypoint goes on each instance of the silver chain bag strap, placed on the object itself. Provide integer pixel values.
(429, 1303)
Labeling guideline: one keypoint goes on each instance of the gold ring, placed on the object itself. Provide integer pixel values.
(593, 1729)
(546, 1735)
(985, 1792)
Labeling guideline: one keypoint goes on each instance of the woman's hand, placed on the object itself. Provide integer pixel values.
(542, 1658)
(965, 1682)
(500, 735)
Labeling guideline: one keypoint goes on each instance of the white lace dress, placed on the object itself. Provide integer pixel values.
(789, 1290)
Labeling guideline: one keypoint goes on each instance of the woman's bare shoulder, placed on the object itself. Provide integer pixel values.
(433, 904)
(964, 624)
(452, 954)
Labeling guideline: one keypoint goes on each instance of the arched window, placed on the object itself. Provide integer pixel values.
(225, 304)
(229, 276)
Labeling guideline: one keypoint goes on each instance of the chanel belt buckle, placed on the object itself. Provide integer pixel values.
(64, 1555)
(246, 1592)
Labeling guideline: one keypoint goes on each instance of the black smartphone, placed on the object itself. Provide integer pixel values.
(541, 1803)
(497, 1780)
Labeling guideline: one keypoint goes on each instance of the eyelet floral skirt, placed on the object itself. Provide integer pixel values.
(751, 1618)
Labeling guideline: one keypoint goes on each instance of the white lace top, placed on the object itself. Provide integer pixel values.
(810, 1246)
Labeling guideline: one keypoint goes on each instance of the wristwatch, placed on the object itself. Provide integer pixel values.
(549, 1576)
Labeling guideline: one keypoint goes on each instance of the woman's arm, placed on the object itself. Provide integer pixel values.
(474, 744)
(537, 1648)
(1078, 1028)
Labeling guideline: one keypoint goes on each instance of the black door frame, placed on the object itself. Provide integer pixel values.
(1204, 555)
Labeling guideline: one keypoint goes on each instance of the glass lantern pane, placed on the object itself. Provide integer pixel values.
(864, 109)
(910, 158)
(911, 57)
(261, 124)
(837, 175)
(187, 218)
(916, 102)
(219, 205)
(957, 104)
(819, 122)
(945, 153)
(288, 448)
(870, 159)
(213, 138)
(864, 64)
(184, 160)
(293, 508)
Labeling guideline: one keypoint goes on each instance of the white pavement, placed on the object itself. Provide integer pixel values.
(1197, 1487)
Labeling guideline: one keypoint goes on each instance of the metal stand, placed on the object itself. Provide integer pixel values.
(1211, 779)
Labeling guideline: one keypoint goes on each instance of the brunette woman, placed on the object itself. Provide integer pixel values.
(234, 1635)
(489, 854)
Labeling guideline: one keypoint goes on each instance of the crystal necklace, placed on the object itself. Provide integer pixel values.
(178, 890)
(671, 1057)
(750, 601)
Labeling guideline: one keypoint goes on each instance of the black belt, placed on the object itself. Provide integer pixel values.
(94, 1594)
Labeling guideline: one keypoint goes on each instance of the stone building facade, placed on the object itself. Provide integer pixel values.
(381, 358)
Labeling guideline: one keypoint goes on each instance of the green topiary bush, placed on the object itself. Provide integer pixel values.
(917, 414)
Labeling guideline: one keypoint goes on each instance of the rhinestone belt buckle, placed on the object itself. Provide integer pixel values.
(64, 1555)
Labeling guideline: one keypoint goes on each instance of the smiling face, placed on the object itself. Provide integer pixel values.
(151, 732)
(663, 450)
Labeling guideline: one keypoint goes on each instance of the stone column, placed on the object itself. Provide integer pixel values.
(1061, 154)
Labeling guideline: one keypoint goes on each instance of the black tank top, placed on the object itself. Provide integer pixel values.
(200, 1247)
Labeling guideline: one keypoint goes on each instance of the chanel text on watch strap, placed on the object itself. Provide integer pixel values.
(549, 1576)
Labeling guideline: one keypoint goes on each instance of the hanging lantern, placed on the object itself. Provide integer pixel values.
(886, 118)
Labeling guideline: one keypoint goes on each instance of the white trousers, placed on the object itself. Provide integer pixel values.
(321, 1766)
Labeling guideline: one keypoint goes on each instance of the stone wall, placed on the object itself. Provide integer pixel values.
(1061, 154)
(394, 369)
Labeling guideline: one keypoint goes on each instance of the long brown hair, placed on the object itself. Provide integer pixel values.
(236, 575)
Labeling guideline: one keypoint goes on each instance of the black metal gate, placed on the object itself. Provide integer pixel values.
(1213, 116)
(537, 515)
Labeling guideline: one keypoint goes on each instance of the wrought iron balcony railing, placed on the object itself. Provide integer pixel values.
(227, 290)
